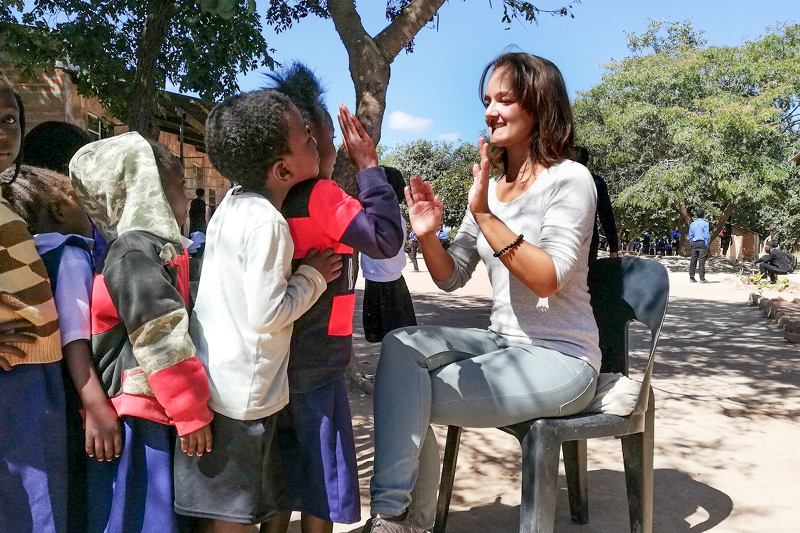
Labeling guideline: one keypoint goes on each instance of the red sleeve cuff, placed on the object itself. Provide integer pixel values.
(182, 390)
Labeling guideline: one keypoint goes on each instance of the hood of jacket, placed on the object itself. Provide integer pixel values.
(119, 186)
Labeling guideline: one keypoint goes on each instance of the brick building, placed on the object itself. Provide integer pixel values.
(745, 245)
(53, 96)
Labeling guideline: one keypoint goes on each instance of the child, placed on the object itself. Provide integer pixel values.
(247, 301)
(387, 303)
(317, 441)
(48, 204)
(32, 429)
(133, 191)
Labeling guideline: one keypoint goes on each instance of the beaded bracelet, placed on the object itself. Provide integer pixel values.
(510, 246)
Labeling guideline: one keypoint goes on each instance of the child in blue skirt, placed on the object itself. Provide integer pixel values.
(33, 472)
(47, 202)
(133, 191)
(317, 443)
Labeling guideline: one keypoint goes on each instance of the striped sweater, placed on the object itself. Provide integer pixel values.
(25, 290)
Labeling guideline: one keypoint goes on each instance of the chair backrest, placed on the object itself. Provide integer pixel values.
(622, 290)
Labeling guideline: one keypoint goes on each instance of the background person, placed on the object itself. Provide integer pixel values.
(532, 228)
(774, 262)
(699, 236)
(605, 212)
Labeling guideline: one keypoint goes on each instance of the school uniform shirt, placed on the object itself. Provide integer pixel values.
(321, 215)
(73, 294)
(247, 302)
(385, 270)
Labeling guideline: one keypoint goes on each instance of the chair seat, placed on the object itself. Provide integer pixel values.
(582, 426)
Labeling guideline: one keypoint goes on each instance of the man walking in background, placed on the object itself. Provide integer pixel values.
(699, 236)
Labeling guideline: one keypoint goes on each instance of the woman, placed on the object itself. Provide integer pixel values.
(532, 228)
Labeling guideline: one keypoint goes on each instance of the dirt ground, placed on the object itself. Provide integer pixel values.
(727, 408)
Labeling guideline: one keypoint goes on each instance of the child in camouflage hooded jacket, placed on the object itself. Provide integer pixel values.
(132, 190)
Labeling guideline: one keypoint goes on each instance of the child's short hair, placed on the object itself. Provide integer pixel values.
(299, 83)
(36, 187)
(52, 144)
(21, 107)
(247, 134)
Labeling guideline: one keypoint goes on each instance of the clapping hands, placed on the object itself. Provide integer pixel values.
(424, 208)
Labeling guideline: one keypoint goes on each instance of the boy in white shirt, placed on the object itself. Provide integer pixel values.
(247, 301)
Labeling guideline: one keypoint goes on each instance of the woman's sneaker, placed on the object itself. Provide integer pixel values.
(381, 525)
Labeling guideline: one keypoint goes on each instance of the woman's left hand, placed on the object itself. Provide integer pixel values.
(478, 200)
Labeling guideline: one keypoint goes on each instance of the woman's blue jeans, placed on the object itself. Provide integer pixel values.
(462, 377)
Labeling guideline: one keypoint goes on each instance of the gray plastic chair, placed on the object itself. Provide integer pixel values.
(622, 290)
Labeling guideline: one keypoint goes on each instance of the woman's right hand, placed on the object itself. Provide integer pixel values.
(328, 264)
(9, 334)
(424, 207)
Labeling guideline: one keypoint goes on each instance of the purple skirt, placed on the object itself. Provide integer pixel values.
(33, 443)
(134, 494)
(318, 454)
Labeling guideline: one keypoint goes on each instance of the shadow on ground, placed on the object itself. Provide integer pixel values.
(682, 505)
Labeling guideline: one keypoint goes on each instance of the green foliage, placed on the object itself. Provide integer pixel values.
(446, 166)
(707, 127)
(100, 40)
(761, 282)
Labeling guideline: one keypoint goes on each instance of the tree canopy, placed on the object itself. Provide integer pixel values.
(678, 126)
(448, 167)
(124, 51)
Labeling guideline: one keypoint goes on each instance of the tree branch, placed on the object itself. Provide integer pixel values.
(348, 23)
(402, 30)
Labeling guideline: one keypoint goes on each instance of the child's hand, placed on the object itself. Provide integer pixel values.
(358, 144)
(197, 442)
(326, 262)
(103, 432)
(9, 335)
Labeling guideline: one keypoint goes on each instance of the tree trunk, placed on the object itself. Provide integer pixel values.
(370, 67)
(145, 90)
(685, 246)
(726, 213)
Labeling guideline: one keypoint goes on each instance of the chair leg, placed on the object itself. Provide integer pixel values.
(577, 480)
(540, 451)
(448, 477)
(637, 451)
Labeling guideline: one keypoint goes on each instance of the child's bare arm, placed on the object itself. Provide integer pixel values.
(8, 336)
(103, 435)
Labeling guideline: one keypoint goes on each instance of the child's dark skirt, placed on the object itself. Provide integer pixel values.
(240, 480)
(33, 471)
(134, 493)
(319, 456)
(387, 306)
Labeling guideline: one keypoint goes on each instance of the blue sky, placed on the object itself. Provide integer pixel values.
(433, 91)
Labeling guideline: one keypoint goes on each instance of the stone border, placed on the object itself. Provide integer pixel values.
(786, 314)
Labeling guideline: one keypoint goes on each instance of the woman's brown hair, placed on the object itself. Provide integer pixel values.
(540, 89)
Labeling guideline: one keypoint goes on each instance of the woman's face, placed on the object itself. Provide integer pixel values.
(509, 123)
(10, 133)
